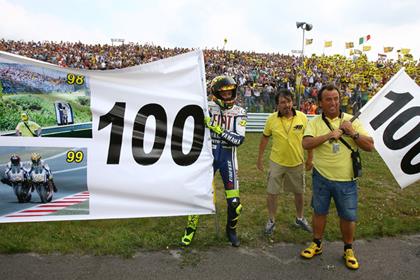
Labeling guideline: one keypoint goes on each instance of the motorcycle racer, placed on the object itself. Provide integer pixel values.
(227, 123)
(37, 161)
(14, 162)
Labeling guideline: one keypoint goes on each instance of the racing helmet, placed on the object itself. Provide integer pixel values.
(35, 158)
(24, 117)
(222, 84)
(15, 159)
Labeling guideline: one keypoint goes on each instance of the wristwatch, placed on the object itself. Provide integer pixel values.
(355, 136)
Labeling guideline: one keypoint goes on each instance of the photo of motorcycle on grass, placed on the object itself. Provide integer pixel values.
(43, 102)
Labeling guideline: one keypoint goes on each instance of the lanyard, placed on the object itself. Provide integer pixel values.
(328, 123)
(290, 126)
(329, 126)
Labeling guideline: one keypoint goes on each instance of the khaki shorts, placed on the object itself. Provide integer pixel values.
(285, 179)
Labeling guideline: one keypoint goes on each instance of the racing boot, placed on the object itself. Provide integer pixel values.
(231, 235)
(234, 210)
(190, 230)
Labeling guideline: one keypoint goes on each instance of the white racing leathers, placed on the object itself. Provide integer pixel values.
(233, 122)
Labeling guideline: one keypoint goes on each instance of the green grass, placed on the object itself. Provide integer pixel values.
(384, 210)
(40, 108)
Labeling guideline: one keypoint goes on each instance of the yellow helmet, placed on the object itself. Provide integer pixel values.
(24, 117)
(35, 158)
(222, 84)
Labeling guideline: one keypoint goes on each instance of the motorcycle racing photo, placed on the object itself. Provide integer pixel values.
(34, 176)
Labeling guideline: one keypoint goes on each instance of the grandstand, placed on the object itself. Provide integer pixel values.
(259, 75)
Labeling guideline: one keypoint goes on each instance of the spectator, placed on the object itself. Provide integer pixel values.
(286, 172)
(247, 67)
(332, 174)
(27, 127)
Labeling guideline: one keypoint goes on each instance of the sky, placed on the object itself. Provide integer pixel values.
(248, 25)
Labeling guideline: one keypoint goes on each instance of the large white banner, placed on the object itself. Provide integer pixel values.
(120, 143)
(392, 119)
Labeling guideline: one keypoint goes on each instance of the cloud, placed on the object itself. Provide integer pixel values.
(19, 23)
(249, 25)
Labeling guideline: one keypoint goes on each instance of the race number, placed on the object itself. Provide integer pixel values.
(74, 156)
(399, 101)
(115, 117)
(75, 79)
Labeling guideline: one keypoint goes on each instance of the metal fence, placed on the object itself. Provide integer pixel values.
(256, 121)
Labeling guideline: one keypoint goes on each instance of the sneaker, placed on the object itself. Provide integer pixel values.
(270, 227)
(303, 224)
(311, 251)
(350, 259)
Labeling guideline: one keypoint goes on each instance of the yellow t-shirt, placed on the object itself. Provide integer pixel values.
(333, 166)
(287, 135)
(25, 131)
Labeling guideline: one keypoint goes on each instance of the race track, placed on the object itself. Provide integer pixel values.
(70, 179)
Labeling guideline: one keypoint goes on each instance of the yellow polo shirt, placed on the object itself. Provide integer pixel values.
(333, 166)
(287, 138)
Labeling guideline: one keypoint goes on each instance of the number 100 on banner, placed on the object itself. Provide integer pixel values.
(392, 119)
(150, 150)
(115, 118)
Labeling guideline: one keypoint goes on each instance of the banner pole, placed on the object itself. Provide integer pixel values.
(216, 218)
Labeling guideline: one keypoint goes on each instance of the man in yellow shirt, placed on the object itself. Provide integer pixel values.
(27, 127)
(286, 172)
(332, 174)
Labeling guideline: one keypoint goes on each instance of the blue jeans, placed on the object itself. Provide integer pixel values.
(343, 193)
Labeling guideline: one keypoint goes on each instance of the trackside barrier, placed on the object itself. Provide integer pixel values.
(256, 121)
(80, 130)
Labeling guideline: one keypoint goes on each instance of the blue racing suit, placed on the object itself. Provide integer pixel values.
(232, 123)
(227, 130)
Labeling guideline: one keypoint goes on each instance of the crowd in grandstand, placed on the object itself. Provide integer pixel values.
(259, 74)
(17, 78)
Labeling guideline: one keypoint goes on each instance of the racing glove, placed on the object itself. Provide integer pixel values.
(215, 128)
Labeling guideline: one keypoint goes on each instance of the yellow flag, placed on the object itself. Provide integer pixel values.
(408, 56)
(405, 51)
(388, 49)
(349, 45)
(327, 44)
(367, 48)
(308, 41)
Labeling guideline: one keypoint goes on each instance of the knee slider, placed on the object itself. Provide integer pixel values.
(238, 209)
(235, 205)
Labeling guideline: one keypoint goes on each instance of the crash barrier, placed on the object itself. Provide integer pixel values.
(256, 121)
(80, 130)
